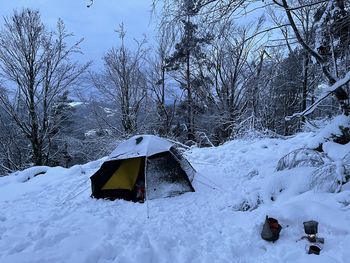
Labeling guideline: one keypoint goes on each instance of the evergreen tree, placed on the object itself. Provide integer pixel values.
(63, 121)
(188, 58)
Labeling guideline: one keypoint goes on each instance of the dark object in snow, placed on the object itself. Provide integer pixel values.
(311, 227)
(139, 139)
(313, 239)
(271, 229)
(314, 249)
(340, 94)
(344, 138)
(90, 3)
(320, 240)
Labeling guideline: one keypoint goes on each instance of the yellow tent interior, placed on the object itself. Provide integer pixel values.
(126, 175)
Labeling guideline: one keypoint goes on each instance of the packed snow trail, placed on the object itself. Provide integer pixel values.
(51, 217)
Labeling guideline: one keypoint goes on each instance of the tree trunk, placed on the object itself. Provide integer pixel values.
(305, 81)
(37, 151)
(190, 117)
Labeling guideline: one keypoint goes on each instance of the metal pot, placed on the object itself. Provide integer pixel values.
(311, 227)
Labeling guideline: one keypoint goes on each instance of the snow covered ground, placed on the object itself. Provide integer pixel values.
(51, 217)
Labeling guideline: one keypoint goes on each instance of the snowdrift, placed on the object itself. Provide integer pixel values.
(47, 214)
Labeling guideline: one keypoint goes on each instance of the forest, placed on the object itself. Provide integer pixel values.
(218, 70)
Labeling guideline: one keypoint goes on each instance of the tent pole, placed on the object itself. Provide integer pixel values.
(146, 187)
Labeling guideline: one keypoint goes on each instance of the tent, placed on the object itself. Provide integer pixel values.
(143, 167)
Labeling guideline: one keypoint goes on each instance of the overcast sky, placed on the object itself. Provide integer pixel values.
(96, 24)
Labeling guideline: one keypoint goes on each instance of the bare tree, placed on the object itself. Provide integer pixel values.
(157, 81)
(329, 10)
(316, 53)
(306, 24)
(13, 146)
(234, 77)
(36, 67)
(124, 82)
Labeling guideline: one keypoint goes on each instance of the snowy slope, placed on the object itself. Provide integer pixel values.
(51, 217)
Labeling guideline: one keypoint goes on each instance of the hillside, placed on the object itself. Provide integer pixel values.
(51, 217)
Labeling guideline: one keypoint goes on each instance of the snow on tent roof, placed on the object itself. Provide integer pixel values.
(140, 145)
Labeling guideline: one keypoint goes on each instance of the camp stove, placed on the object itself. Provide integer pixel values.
(311, 229)
(312, 238)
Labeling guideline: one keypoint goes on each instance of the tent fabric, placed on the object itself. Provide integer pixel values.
(165, 177)
(184, 163)
(143, 161)
(125, 176)
(137, 147)
(102, 175)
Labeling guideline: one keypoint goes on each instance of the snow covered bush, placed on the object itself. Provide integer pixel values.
(330, 173)
(248, 204)
(249, 201)
(328, 152)
(301, 157)
(26, 175)
(336, 130)
(326, 179)
(346, 162)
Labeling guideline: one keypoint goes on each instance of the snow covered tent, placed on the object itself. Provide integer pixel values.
(144, 162)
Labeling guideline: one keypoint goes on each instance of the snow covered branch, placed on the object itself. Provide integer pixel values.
(328, 91)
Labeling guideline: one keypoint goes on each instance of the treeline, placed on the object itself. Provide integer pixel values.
(209, 78)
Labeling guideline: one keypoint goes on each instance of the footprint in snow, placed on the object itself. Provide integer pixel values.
(19, 247)
(145, 251)
(39, 233)
(50, 241)
(103, 252)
